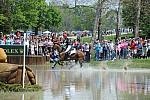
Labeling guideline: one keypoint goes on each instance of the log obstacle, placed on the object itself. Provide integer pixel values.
(12, 74)
(30, 59)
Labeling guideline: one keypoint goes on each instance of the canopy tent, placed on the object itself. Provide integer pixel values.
(47, 32)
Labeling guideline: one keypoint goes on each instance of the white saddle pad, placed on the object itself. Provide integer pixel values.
(73, 51)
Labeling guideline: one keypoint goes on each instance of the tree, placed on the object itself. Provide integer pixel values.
(145, 17)
(109, 20)
(5, 15)
(118, 20)
(34, 14)
(77, 18)
(129, 13)
(97, 25)
(137, 21)
(53, 17)
(136, 15)
(3, 19)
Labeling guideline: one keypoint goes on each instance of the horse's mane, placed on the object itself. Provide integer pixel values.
(58, 47)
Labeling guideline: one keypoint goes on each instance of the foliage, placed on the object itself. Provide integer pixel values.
(18, 88)
(5, 15)
(77, 18)
(53, 17)
(129, 11)
(145, 17)
(29, 14)
(109, 20)
(2, 19)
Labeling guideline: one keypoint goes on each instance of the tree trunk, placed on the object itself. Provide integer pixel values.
(97, 25)
(137, 18)
(36, 30)
(118, 21)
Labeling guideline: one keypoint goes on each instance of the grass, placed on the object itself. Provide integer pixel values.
(111, 37)
(130, 63)
(18, 88)
(86, 39)
(140, 96)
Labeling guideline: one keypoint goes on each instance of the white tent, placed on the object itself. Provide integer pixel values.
(47, 32)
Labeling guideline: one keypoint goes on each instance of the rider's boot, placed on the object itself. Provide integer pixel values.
(66, 55)
(53, 67)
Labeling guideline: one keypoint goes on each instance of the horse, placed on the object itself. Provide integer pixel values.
(78, 56)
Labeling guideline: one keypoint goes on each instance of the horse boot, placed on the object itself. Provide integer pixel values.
(66, 55)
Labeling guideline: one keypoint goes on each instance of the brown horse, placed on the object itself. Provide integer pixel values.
(78, 56)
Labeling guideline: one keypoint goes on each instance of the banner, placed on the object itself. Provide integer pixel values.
(13, 49)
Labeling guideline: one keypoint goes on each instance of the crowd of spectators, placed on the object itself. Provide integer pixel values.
(42, 44)
(122, 49)
(104, 50)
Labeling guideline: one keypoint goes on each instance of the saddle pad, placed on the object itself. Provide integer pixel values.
(73, 51)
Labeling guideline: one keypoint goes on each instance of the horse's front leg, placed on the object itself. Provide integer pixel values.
(54, 65)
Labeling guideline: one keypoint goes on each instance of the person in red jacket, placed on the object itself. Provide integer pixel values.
(133, 47)
(4, 39)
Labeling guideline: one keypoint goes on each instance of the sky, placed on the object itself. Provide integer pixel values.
(72, 2)
(112, 4)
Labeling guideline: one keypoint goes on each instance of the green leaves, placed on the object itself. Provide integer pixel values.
(2, 19)
(129, 11)
(78, 18)
(25, 14)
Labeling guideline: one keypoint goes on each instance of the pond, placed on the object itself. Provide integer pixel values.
(88, 84)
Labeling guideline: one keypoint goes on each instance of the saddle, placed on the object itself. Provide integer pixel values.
(69, 53)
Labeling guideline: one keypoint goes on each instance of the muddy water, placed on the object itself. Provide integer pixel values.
(88, 84)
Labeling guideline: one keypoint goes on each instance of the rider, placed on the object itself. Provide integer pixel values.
(68, 48)
(54, 57)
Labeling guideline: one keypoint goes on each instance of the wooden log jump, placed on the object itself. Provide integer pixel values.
(30, 59)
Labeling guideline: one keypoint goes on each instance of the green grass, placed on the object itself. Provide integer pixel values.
(140, 63)
(140, 96)
(86, 39)
(130, 63)
(18, 88)
(112, 37)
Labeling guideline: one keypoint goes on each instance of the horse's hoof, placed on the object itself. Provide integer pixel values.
(53, 67)
(125, 68)
(104, 68)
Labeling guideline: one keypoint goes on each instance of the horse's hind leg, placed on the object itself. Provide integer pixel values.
(81, 63)
(60, 63)
(76, 61)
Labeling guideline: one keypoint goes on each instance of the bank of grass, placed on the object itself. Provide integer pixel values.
(132, 96)
(86, 39)
(111, 37)
(18, 88)
(130, 63)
